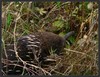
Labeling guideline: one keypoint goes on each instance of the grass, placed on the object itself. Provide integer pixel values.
(22, 18)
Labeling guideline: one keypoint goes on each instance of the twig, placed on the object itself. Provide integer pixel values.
(79, 52)
(4, 48)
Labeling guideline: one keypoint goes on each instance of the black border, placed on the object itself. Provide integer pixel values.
(0, 34)
(99, 39)
(51, 0)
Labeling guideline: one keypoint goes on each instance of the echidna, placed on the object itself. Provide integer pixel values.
(33, 49)
(38, 45)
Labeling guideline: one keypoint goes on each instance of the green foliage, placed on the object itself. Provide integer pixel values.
(62, 34)
(72, 39)
(41, 11)
(58, 24)
(58, 4)
(9, 19)
(86, 7)
(67, 26)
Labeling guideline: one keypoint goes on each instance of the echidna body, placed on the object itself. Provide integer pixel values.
(38, 45)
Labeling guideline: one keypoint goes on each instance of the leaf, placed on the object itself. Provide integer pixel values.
(41, 10)
(58, 4)
(67, 26)
(62, 34)
(58, 24)
(90, 6)
(8, 20)
(72, 39)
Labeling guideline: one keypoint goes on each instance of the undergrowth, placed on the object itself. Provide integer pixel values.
(81, 56)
